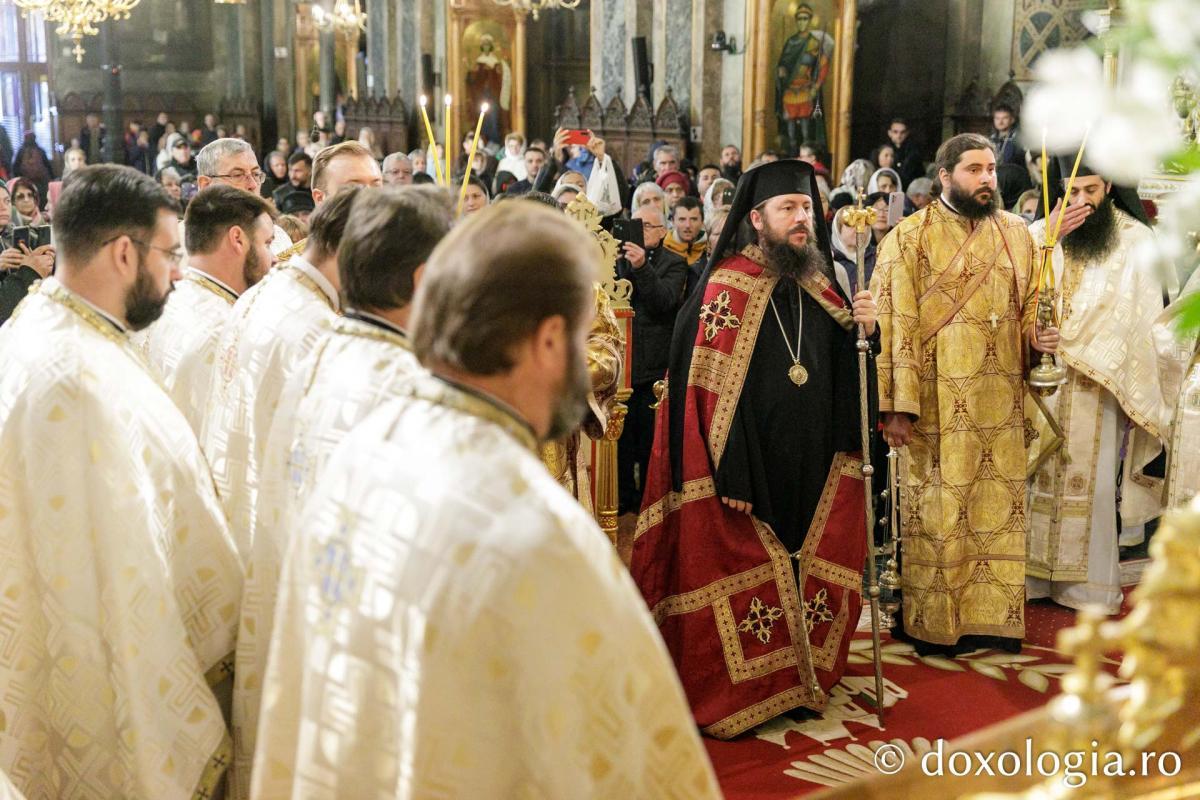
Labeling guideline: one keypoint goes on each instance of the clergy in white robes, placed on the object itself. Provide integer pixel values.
(451, 622)
(119, 582)
(1109, 299)
(1179, 377)
(272, 328)
(229, 236)
(365, 359)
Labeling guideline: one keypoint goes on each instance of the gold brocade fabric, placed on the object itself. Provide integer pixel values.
(272, 327)
(452, 624)
(350, 372)
(1179, 378)
(182, 345)
(1107, 312)
(944, 362)
(119, 582)
(568, 459)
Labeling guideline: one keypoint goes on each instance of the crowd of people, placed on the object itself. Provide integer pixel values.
(274, 499)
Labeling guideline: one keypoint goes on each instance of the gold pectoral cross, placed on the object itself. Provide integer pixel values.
(995, 319)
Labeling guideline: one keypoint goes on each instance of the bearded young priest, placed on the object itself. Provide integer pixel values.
(1109, 298)
(751, 541)
(956, 284)
(119, 579)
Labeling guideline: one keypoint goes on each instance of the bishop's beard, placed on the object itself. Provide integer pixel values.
(1096, 237)
(970, 204)
(785, 258)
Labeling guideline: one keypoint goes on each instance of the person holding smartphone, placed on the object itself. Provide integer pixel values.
(20, 266)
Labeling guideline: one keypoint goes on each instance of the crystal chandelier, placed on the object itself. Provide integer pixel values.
(346, 18)
(534, 6)
(78, 18)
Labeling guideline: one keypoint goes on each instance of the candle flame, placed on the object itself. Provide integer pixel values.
(483, 109)
(423, 100)
(447, 99)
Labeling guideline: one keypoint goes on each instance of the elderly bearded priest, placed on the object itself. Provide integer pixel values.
(752, 475)
(451, 622)
(118, 578)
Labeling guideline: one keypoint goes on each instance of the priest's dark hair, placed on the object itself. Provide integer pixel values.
(213, 211)
(390, 233)
(328, 223)
(495, 279)
(103, 202)
(951, 151)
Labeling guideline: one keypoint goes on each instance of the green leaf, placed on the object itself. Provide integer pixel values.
(1189, 314)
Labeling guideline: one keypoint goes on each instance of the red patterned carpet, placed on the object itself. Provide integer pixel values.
(928, 699)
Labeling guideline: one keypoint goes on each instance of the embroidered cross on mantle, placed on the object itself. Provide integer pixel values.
(717, 315)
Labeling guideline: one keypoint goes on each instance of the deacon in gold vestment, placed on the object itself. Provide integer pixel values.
(568, 459)
(451, 623)
(1110, 296)
(1179, 377)
(119, 582)
(229, 236)
(365, 359)
(956, 309)
(272, 328)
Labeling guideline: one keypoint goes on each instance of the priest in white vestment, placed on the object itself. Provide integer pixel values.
(1111, 404)
(229, 234)
(364, 360)
(450, 621)
(1179, 376)
(119, 581)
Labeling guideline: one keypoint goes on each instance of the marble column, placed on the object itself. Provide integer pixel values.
(707, 69)
(408, 79)
(674, 61)
(609, 46)
(733, 70)
(235, 84)
(379, 48)
(328, 74)
(638, 22)
(114, 150)
(270, 109)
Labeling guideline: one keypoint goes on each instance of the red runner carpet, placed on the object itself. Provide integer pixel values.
(928, 699)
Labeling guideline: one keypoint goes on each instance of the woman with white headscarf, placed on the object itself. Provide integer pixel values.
(890, 181)
(713, 195)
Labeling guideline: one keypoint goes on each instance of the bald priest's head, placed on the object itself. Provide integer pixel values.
(505, 306)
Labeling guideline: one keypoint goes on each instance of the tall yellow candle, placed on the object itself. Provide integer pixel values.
(1071, 183)
(437, 169)
(462, 191)
(446, 139)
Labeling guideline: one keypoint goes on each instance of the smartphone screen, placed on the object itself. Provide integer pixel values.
(42, 235)
(23, 236)
(579, 137)
(629, 230)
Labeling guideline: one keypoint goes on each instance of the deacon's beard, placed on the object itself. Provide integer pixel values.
(1096, 237)
(796, 261)
(251, 268)
(143, 303)
(969, 205)
(573, 403)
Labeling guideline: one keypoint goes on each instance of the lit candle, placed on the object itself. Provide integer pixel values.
(462, 192)
(446, 139)
(437, 169)
(1071, 182)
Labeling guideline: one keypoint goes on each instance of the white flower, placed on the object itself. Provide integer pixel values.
(1068, 98)
(1175, 25)
(1130, 129)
